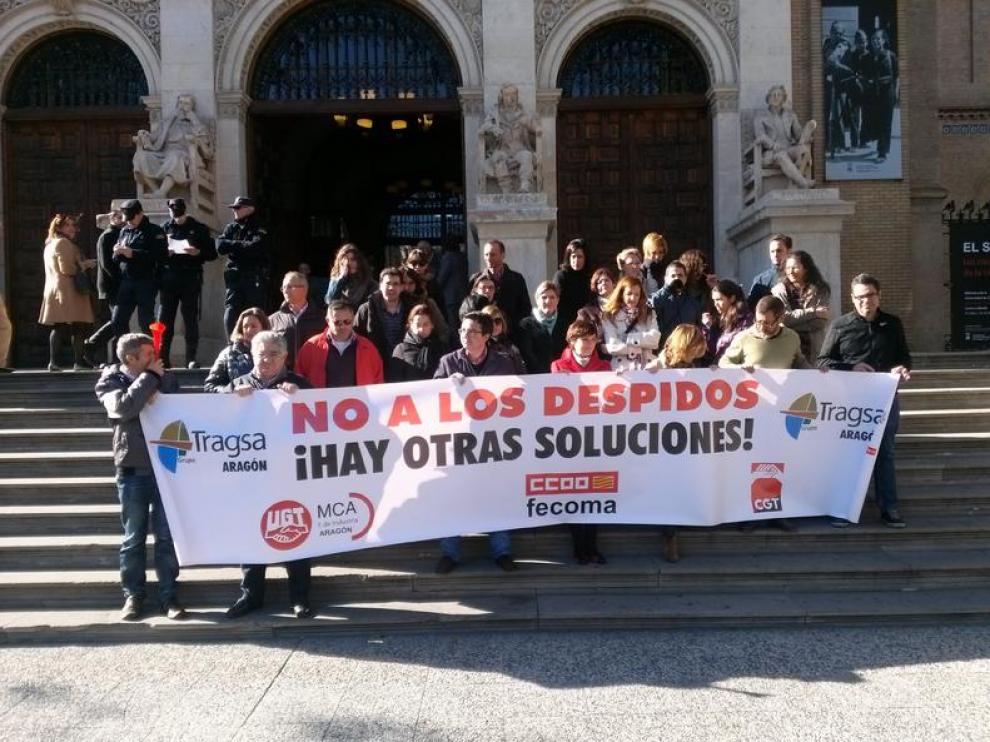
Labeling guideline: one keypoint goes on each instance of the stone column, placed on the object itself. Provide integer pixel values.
(3, 220)
(509, 28)
(187, 54)
(231, 155)
(930, 322)
(764, 49)
(723, 108)
(472, 111)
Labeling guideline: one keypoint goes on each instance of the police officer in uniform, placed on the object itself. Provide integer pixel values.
(108, 272)
(141, 247)
(182, 278)
(246, 244)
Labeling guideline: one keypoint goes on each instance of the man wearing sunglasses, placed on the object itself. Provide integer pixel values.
(338, 356)
(869, 340)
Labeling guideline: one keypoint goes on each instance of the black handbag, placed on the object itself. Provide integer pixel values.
(82, 282)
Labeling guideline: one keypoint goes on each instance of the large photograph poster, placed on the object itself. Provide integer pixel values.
(862, 92)
(272, 477)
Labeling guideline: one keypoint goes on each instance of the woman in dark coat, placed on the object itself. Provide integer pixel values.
(416, 358)
(573, 281)
(235, 360)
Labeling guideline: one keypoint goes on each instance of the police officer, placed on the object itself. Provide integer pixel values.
(246, 244)
(141, 247)
(182, 277)
(108, 272)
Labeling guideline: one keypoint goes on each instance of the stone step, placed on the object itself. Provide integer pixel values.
(944, 466)
(58, 490)
(81, 550)
(945, 420)
(517, 610)
(58, 463)
(65, 439)
(948, 398)
(956, 359)
(948, 377)
(90, 415)
(724, 574)
(38, 379)
(925, 444)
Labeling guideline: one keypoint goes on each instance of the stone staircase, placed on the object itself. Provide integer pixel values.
(59, 534)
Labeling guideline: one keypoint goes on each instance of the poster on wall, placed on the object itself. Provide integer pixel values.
(969, 263)
(862, 111)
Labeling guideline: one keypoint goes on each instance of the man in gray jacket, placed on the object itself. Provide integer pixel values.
(124, 390)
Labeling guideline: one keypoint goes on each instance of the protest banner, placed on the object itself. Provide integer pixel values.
(273, 477)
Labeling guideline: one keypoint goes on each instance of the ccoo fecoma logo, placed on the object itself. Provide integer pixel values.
(286, 524)
(173, 444)
(799, 416)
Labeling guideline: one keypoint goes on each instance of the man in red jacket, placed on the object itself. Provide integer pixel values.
(339, 357)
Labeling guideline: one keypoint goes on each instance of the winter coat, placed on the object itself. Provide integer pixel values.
(567, 364)
(575, 292)
(415, 359)
(496, 364)
(538, 347)
(235, 360)
(60, 301)
(631, 348)
(354, 291)
(297, 330)
(801, 316)
(124, 398)
(311, 362)
(511, 296)
(674, 309)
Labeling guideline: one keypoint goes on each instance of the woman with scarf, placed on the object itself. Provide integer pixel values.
(573, 281)
(543, 335)
(630, 326)
(416, 358)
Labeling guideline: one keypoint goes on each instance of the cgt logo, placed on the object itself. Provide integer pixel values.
(766, 490)
(286, 525)
(800, 414)
(585, 483)
(173, 444)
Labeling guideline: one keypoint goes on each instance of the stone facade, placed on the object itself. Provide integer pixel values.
(207, 50)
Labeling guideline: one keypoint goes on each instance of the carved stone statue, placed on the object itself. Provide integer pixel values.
(784, 142)
(509, 144)
(174, 154)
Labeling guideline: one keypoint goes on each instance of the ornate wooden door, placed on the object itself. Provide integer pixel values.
(623, 173)
(71, 165)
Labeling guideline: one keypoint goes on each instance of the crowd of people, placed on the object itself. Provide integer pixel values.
(654, 312)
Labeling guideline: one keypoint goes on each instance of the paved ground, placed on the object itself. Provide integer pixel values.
(817, 684)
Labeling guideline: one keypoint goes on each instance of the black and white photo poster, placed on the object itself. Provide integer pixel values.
(862, 91)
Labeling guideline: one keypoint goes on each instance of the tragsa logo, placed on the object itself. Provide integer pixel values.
(800, 414)
(173, 444)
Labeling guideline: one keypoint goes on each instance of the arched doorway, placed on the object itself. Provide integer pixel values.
(354, 116)
(73, 104)
(633, 141)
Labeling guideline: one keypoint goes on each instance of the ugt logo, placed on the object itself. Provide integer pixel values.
(173, 444)
(766, 490)
(286, 524)
(801, 413)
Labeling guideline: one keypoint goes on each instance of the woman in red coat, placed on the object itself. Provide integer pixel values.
(580, 356)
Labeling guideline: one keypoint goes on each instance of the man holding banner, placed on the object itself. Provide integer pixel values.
(476, 357)
(270, 353)
(872, 341)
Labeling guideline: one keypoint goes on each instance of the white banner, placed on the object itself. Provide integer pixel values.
(272, 477)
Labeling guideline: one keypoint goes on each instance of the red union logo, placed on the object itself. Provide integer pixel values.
(584, 483)
(766, 490)
(286, 524)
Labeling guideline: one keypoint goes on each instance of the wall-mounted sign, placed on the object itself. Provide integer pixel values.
(969, 262)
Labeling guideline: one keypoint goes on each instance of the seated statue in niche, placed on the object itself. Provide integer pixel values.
(509, 144)
(173, 155)
(784, 142)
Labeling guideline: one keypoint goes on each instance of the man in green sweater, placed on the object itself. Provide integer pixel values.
(767, 344)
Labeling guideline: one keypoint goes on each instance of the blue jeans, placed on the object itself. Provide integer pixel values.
(138, 493)
(884, 477)
(498, 541)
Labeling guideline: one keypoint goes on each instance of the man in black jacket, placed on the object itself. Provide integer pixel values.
(124, 391)
(871, 341)
(246, 244)
(141, 247)
(298, 319)
(382, 319)
(108, 272)
(189, 246)
(511, 293)
(269, 351)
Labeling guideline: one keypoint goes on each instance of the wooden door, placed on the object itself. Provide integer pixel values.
(623, 173)
(69, 165)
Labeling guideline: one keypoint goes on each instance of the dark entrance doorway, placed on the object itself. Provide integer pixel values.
(633, 142)
(73, 106)
(356, 134)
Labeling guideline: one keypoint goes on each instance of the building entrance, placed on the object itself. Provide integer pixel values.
(356, 133)
(633, 142)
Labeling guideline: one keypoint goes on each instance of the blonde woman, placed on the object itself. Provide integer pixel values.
(64, 308)
(629, 326)
(656, 255)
